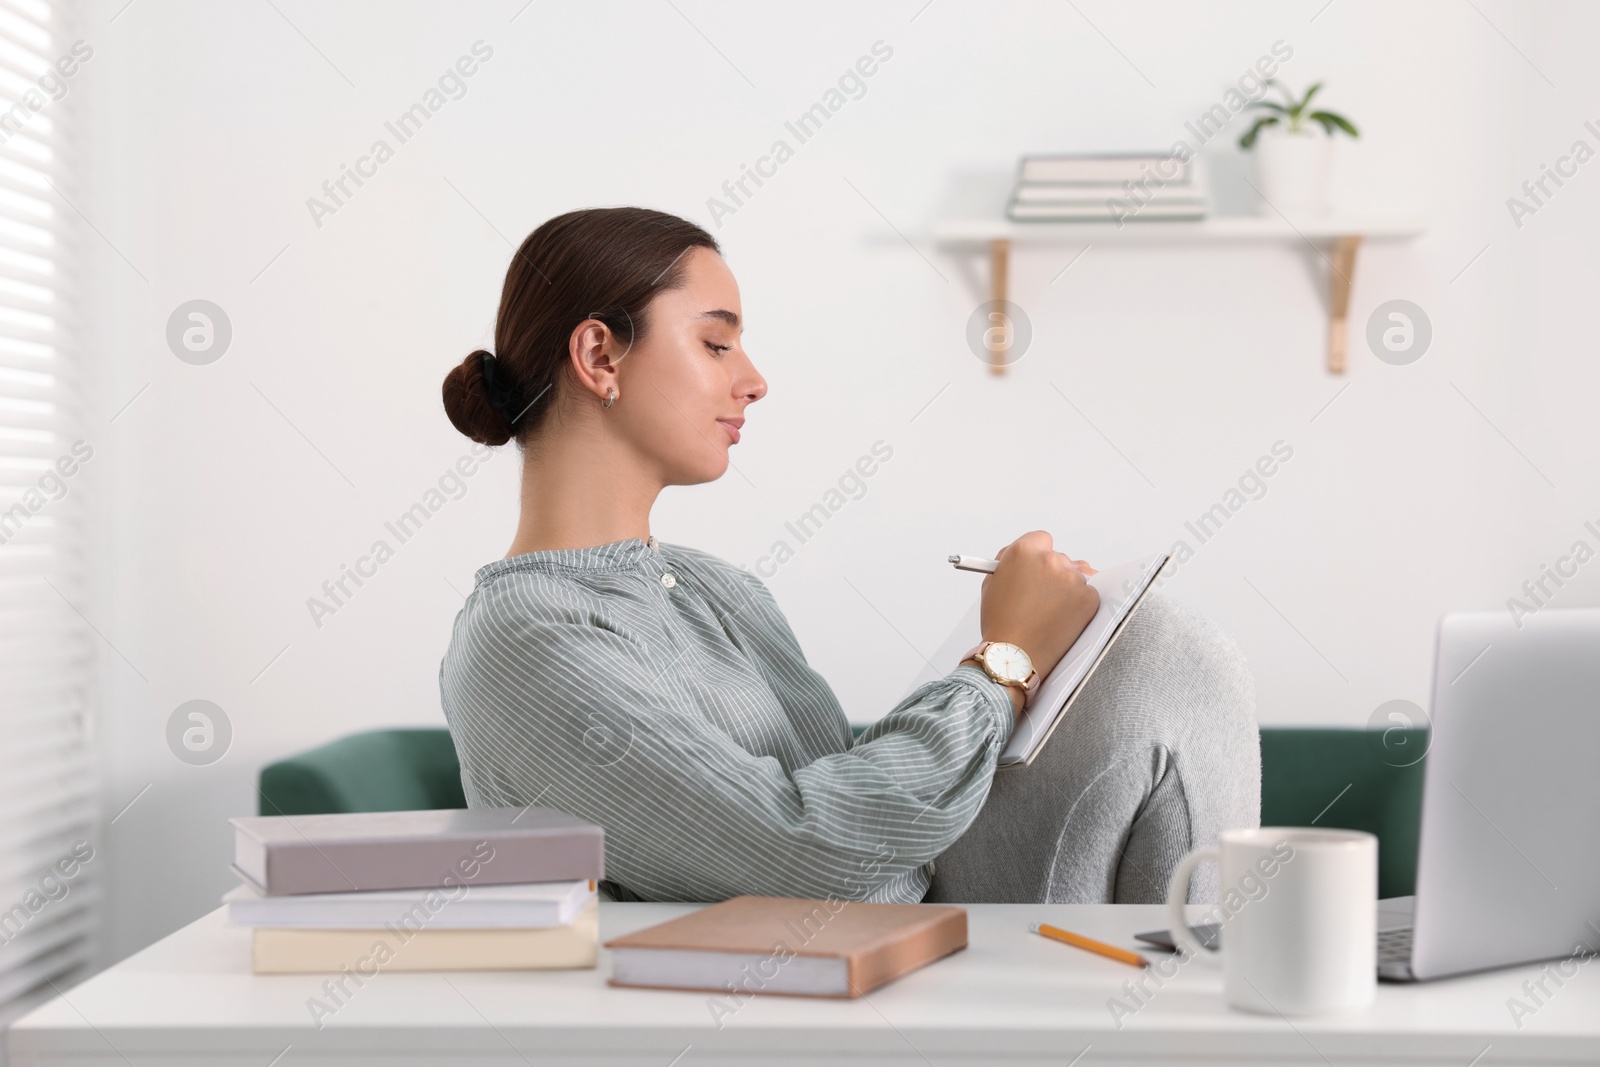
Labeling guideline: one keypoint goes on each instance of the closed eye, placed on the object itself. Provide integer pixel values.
(719, 349)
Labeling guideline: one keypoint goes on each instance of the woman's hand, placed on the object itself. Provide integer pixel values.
(1038, 599)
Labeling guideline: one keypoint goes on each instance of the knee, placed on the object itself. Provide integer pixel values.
(1174, 695)
(1195, 650)
(1171, 674)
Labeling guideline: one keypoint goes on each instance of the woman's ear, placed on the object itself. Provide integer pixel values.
(590, 347)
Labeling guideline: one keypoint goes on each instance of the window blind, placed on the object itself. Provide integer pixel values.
(48, 780)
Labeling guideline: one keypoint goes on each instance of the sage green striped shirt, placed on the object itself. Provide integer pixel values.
(658, 691)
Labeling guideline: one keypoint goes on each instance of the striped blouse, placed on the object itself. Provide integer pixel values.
(658, 691)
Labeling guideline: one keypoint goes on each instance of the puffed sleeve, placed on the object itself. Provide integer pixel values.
(557, 708)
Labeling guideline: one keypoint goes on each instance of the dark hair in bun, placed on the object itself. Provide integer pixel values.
(599, 263)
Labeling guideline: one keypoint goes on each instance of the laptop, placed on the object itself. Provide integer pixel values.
(1508, 864)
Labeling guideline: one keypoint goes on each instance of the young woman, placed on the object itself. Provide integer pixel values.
(658, 691)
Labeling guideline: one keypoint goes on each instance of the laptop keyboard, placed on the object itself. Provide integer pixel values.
(1394, 945)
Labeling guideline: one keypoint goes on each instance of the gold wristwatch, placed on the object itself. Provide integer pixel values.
(1007, 664)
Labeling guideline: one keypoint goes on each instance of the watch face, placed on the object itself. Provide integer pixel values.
(1008, 661)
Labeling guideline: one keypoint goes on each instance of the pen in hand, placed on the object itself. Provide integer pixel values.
(987, 566)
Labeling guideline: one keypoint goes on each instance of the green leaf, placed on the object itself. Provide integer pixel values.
(1298, 108)
(1269, 106)
(1288, 97)
(1330, 120)
(1249, 139)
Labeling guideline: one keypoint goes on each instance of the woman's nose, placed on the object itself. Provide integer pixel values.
(756, 387)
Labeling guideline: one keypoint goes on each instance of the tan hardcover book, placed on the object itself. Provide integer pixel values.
(819, 948)
(399, 948)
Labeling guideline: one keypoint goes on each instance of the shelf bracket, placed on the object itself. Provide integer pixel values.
(1342, 263)
(1343, 271)
(999, 264)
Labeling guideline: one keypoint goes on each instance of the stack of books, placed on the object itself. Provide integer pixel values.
(1107, 188)
(445, 890)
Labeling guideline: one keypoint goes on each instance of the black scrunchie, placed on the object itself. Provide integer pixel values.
(503, 396)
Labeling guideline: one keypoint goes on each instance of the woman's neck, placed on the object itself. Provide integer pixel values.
(579, 492)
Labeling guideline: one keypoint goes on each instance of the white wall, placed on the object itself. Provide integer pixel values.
(233, 490)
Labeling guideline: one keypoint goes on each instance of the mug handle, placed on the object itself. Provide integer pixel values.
(1177, 896)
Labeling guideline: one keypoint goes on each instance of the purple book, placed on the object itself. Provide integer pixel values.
(286, 854)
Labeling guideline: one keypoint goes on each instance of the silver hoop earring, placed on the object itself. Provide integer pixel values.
(611, 398)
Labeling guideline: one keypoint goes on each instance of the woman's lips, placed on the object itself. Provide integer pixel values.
(733, 431)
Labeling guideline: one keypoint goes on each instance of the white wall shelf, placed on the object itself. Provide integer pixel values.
(1336, 239)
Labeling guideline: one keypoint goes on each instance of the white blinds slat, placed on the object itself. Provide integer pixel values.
(49, 796)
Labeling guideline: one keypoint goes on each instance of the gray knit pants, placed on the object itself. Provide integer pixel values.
(1159, 752)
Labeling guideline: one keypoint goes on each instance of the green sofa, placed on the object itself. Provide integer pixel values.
(1354, 779)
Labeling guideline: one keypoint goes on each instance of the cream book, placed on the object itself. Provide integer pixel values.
(459, 906)
(818, 948)
(396, 948)
(1122, 589)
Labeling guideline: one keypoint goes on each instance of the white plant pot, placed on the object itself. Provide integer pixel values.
(1293, 172)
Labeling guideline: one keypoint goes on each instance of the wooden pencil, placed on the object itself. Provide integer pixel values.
(1089, 944)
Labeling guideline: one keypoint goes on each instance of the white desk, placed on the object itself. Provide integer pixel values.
(1011, 995)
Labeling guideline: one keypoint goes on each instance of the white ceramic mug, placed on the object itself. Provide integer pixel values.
(1298, 909)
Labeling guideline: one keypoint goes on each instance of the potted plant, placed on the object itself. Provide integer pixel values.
(1293, 143)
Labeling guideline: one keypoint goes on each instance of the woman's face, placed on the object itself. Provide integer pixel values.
(682, 390)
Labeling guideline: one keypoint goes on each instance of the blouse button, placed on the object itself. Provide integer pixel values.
(668, 580)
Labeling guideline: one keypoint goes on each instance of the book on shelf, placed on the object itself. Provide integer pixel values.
(338, 853)
(395, 947)
(1103, 213)
(1105, 169)
(1097, 195)
(1108, 188)
(820, 948)
(532, 905)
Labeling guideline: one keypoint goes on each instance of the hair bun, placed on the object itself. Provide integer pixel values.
(467, 403)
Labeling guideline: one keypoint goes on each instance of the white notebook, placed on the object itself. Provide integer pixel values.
(526, 906)
(1122, 589)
